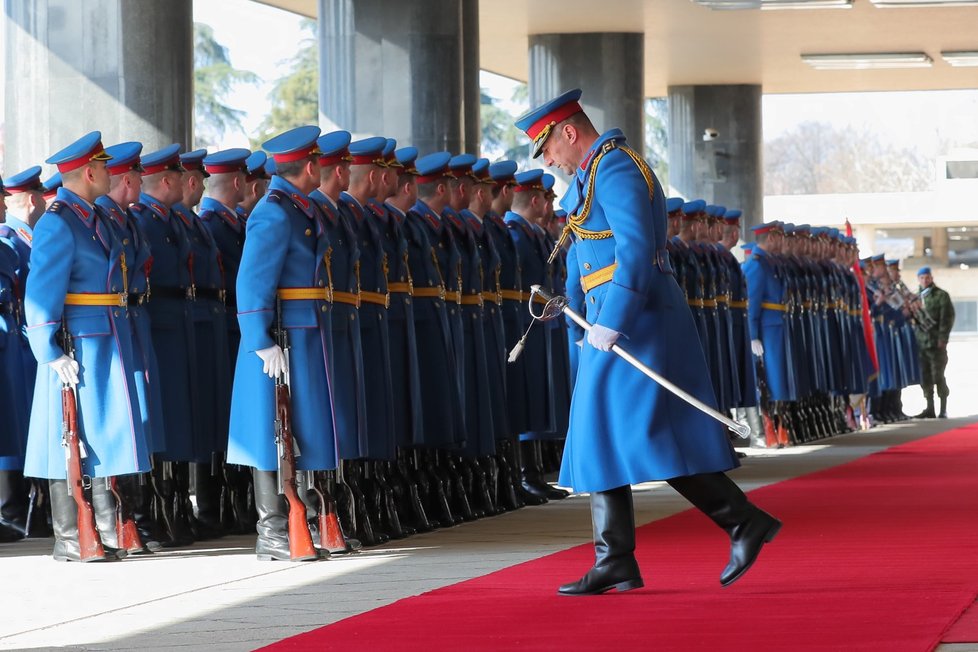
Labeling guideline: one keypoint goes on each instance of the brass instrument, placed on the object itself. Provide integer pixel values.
(915, 304)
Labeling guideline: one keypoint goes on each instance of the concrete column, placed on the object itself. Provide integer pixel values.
(124, 67)
(608, 66)
(401, 69)
(725, 169)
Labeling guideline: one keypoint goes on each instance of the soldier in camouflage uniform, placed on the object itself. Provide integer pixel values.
(932, 335)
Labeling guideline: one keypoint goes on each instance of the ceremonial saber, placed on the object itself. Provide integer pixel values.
(741, 429)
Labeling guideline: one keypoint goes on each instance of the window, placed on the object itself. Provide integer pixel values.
(962, 170)
(904, 243)
(965, 316)
(962, 246)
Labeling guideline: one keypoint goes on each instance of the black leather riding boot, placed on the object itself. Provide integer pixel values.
(64, 518)
(105, 505)
(615, 567)
(207, 489)
(14, 506)
(140, 488)
(943, 413)
(273, 516)
(721, 499)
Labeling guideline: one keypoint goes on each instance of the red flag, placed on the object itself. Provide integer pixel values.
(868, 332)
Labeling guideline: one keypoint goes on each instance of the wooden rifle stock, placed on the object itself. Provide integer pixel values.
(330, 533)
(125, 523)
(89, 541)
(300, 540)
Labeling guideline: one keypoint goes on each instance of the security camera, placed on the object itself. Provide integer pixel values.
(710, 134)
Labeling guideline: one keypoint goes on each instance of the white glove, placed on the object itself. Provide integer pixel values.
(757, 347)
(66, 368)
(602, 338)
(274, 361)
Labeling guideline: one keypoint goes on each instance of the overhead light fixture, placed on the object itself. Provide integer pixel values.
(891, 4)
(961, 59)
(729, 5)
(870, 61)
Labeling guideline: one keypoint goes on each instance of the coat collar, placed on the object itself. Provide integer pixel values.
(300, 199)
(229, 216)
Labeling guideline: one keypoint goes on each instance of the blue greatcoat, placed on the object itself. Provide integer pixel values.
(625, 429)
(171, 322)
(374, 332)
(537, 354)
(344, 347)
(228, 231)
(480, 437)
(19, 236)
(407, 415)
(768, 324)
(138, 258)
(441, 398)
(514, 318)
(212, 399)
(77, 252)
(16, 411)
(285, 247)
(492, 321)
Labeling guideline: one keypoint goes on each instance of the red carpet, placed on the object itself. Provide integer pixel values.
(877, 554)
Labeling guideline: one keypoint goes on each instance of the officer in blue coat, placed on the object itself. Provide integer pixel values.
(478, 220)
(78, 286)
(172, 295)
(623, 429)
(134, 494)
(439, 399)
(13, 429)
(211, 401)
(231, 183)
(21, 205)
(448, 427)
(286, 285)
(257, 166)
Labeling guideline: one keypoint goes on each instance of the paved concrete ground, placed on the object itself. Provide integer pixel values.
(217, 596)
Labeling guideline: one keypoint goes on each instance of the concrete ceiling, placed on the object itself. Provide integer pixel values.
(689, 44)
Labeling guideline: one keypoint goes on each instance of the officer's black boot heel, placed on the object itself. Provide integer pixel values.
(614, 567)
(749, 527)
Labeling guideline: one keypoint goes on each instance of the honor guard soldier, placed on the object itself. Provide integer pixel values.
(434, 350)
(76, 303)
(346, 352)
(550, 443)
(170, 309)
(134, 493)
(480, 438)
(229, 185)
(51, 186)
(624, 430)
(21, 504)
(256, 183)
(514, 315)
(743, 370)
(767, 317)
(441, 340)
(394, 475)
(282, 312)
(479, 221)
(529, 206)
(365, 180)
